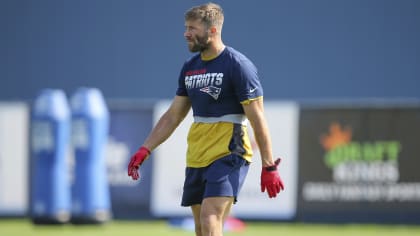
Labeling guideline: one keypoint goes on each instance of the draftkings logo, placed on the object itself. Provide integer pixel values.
(361, 171)
(352, 161)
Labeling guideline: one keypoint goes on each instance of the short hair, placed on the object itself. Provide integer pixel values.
(210, 14)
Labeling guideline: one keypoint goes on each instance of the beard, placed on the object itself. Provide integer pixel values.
(201, 43)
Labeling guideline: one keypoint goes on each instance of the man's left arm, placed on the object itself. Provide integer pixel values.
(270, 178)
(254, 111)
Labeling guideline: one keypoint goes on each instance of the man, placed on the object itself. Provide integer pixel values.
(222, 87)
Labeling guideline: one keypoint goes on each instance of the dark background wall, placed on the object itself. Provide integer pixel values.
(304, 49)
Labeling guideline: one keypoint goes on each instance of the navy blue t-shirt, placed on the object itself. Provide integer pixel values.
(217, 87)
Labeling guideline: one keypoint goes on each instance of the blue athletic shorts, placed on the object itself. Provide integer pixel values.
(222, 178)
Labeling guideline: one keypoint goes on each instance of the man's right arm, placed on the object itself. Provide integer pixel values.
(168, 122)
(163, 129)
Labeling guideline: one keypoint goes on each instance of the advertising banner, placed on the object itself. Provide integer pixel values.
(14, 186)
(169, 168)
(129, 126)
(359, 164)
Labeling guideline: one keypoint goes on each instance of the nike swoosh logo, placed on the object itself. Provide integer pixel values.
(252, 90)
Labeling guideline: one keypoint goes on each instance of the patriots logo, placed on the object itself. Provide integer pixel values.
(212, 91)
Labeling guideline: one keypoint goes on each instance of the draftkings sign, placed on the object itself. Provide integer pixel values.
(359, 164)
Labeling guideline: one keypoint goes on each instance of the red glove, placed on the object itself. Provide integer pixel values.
(136, 161)
(270, 180)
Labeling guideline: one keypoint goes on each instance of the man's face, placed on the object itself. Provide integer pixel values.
(197, 36)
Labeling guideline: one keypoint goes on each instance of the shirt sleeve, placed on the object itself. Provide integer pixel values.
(246, 81)
(181, 90)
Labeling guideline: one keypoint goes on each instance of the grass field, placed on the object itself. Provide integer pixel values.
(18, 227)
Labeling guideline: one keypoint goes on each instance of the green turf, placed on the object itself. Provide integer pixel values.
(18, 227)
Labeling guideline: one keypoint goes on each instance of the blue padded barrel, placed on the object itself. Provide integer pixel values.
(90, 127)
(50, 199)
